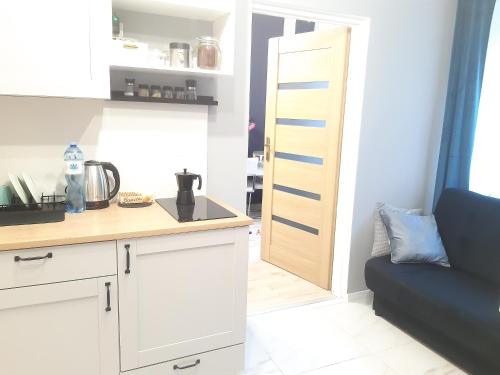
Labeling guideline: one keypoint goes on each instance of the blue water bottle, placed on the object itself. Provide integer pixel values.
(75, 178)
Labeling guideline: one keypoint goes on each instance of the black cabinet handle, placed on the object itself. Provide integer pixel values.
(188, 366)
(108, 296)
(127, 270)
(17, 258)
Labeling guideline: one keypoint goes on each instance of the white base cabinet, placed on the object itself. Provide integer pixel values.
(183, 294)
(60, 329)
(181, 302)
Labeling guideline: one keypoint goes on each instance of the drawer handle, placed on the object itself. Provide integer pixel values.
(108, 296)
(188, 366)
(127, 270)
(17, 258)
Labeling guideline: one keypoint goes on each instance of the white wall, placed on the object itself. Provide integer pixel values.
(228, 123)
(405, 89)
(148, 143)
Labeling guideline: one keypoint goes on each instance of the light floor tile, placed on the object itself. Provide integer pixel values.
(363, 325)
(416, 359)
(257, 360)
(264, 368)
(369, 365)
(336, 338)
(299, 340)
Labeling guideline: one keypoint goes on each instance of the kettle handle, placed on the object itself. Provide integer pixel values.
(116, 176)
(198, 176)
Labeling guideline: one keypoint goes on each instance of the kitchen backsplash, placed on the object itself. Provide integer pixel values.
(148, 143)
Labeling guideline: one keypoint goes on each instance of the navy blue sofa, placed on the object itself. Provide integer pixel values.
(454, 311)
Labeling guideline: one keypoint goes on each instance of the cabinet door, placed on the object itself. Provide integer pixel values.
(51, 48)
(184, 294)
(60, 329)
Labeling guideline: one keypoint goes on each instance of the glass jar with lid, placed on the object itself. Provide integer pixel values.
(168, 92)
(209, 53)
(179, 55)
(179, 93)
(191, 90)
(143, 91)
(155, 91)
(129, 87)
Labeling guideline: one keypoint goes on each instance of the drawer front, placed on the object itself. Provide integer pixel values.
(55, 264)
(227, 361)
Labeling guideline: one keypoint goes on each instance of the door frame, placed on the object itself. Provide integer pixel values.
(360, 31)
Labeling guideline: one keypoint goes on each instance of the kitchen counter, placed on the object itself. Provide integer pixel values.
(113, 223)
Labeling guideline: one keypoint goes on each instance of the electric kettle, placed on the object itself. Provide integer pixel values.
(185, 181)
(97, 188)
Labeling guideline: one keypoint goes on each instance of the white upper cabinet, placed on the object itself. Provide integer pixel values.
(55, 48)
(193, 9)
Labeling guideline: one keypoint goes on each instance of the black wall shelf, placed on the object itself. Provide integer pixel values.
(202, 100)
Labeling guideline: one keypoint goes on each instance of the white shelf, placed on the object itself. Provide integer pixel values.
(191, 72)
(208, 10)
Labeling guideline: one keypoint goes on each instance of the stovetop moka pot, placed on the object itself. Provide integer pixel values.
(185, 180)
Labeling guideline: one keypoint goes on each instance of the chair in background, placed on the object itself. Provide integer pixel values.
(254, 173)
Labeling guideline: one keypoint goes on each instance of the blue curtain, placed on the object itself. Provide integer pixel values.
(472, 30)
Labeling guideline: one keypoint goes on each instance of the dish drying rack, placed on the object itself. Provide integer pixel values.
(51, 209)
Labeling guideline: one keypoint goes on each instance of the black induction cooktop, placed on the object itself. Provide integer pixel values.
(203, 209)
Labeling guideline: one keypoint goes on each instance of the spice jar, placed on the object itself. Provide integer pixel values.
(209, 54)
(168, 92)
(191, 90)
(179, 55)
(144, 91)
(155, 91)
(179, 93)
(129, 87)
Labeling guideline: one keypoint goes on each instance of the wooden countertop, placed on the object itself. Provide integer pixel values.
(113, 223)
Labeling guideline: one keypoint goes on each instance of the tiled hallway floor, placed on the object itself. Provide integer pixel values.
(335, 338)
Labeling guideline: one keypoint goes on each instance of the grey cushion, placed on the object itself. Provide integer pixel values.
(381, 244)
(413, 238)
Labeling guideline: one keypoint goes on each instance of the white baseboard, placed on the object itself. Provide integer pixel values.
(364, 296)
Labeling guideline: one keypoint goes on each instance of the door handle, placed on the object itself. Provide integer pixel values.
(127, 270)
(17, 258)
(108, 296)
(188, 366)
(267, 145)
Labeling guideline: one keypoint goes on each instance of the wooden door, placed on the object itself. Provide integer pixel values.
(306, 84)
(184, 294)
(60, 329)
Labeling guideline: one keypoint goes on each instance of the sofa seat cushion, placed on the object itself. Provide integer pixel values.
(455, 303)
(469, 227)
